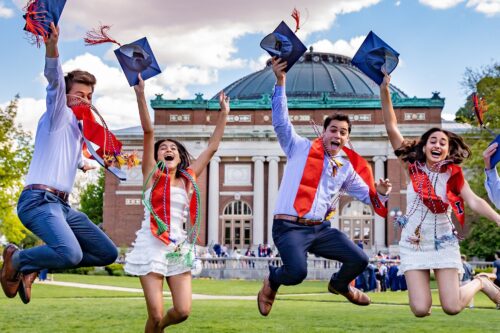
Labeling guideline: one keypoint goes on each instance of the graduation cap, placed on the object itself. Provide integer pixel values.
(39, 14)
(284, 44)
(134, 58)
(375, 56)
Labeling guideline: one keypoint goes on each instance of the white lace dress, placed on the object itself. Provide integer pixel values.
(149, 253)
(438, 247)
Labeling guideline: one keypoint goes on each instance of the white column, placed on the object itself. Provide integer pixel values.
(379, 228)
(213, 201)
(258, 200)
(272, 194)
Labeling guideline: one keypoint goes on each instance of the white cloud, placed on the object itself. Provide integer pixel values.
(5, 12)
(487, 7)
(29, 111)
(441, 4)
(398, 3)
(259, 63)
(347, 48)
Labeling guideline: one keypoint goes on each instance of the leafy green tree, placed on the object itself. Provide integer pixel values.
(484, 237)
(15, 155)
(91, 199)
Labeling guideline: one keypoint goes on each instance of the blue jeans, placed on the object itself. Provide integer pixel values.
(294, 241)
(71, 239)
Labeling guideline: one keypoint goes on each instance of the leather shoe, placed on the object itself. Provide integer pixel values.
(9, 277)
(265, 298)
(25, 286)
(353, 295)
(489, 288)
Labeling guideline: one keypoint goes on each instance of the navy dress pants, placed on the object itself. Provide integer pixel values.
(294, 241)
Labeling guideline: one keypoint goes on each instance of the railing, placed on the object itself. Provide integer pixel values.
(254, 268)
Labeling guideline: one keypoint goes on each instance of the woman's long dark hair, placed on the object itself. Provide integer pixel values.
(183, 154)
(411, 150)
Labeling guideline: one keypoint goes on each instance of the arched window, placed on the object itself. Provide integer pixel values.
(356, 222)
(237, 224)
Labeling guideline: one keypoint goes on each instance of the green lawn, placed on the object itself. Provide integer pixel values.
(66, 309)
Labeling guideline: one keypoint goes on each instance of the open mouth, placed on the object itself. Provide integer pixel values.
(436, 153)
(169, 158)
(335, 145)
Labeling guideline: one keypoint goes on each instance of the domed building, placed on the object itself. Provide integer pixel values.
(240, 185)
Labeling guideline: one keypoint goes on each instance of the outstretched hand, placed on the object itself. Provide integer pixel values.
(387, 80)
(51, 50)
(224, 102)
(487, 155)
(279, 67)
(139, 87)
(384, 186)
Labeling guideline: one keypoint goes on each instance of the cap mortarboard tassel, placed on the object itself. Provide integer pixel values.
(296, 17)
(99, 36)
(36, 23)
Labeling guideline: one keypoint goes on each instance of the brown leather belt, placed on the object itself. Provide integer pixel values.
(296, 219)
(60, 194)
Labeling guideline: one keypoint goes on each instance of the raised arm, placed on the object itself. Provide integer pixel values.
(390, 120)
(213, 144)
(287, 137)
(57, 110)
(148, 159)
(478, 204)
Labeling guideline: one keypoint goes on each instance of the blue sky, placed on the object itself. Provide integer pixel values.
(206, 49)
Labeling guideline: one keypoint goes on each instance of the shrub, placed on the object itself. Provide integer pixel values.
(115, 269)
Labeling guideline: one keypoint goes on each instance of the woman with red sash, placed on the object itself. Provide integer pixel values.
(435, 187)
(163, 248)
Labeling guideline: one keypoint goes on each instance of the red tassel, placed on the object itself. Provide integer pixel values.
(36, 24)
(296, 17)
(99, 36)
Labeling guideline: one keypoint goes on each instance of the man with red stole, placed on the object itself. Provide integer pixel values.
(314, 175)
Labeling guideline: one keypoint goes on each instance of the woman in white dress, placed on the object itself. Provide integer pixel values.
(163, 248)
(435, 187)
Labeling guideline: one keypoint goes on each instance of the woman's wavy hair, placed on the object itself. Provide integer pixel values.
(183, 154)
(412, 150)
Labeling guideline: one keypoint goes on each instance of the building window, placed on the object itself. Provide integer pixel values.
(237, 174)
(356, 222)
(237, 221)
(180, 117)
(414, 116)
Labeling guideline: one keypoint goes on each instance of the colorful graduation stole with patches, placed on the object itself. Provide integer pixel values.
(160, 203)
(429, 197)
(96, 133)
(312, 173)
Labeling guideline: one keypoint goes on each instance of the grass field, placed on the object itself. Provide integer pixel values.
(303, 308)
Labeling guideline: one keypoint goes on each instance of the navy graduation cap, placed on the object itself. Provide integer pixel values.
(134, 58)
(39, 14)
(284, 44)
(375, 56)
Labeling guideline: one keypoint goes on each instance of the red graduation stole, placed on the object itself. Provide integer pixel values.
(96, 133)
(160, 202)
(312, 173)
(429, 197)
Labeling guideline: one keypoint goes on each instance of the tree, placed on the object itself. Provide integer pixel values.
(484, 237)
(91, 200)
(15, 155)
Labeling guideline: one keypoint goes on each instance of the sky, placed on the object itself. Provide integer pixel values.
(203, 46)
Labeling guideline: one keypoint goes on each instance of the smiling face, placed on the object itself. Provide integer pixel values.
(169, 153)
(436, 148)
(335, 136)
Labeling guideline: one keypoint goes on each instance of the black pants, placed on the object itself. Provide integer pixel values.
(294, 241)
